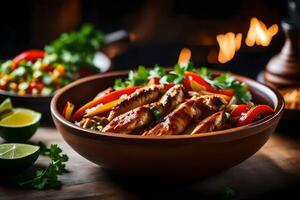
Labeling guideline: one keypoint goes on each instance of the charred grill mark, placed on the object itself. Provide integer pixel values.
(210, 104)
(171, 99)
(143, 114)
(178, 120)
(137, 118)
(138, 98)
(212, 123)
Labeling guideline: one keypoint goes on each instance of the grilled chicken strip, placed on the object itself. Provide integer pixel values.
(196, 108)
(214, 122)
(173, 97)
(176, 121)
(140, 97)
(142, 116)
(134, 119)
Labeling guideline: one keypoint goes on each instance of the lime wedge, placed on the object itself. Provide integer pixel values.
(16, 157)
(20, 117)
(5, 107)
(20, 125)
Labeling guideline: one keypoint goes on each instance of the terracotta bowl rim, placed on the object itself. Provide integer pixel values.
(100, 135)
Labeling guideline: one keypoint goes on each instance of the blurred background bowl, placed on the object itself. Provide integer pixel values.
(116, 43)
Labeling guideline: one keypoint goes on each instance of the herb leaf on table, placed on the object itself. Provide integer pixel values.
(46, 178)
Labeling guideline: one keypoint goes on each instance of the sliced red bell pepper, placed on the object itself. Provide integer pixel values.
(49, 69)
(153, 81)
(227, 92)
(189, 76)
(103, 99)
(252, 114)
(168, 85)
(239, 110)
(68, 110)
(29, 55)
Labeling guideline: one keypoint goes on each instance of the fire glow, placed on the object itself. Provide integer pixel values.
(184, 56)
(257, 34)
(229, 43)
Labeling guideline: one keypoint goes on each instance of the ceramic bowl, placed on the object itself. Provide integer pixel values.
(180, 156)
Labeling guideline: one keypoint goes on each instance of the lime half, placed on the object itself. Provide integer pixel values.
(16, 157)
(20, 125)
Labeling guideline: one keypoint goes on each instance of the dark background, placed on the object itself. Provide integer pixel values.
(158, 29)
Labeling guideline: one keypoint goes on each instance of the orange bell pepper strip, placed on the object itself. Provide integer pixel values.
(68, 110)
(103, 99)
(103, 108)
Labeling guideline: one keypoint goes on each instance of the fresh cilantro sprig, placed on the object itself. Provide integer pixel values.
(142, 75)
(227, 81)
(177, 75)
(46, 178)
(138, 77)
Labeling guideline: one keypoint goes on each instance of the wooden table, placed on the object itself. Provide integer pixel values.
(273, 172)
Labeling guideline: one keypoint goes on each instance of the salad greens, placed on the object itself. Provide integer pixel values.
(77, 48)
(177, 75)
(46, 178)
(63, 61)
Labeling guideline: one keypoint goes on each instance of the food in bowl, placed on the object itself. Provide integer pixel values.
(42, 72)
(156, 102)
(168, 157)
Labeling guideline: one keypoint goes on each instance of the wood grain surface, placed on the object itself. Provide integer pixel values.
(273, 172)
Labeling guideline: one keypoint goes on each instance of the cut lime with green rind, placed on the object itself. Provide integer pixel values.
(20, 125)
(15, 157)
(5, 108)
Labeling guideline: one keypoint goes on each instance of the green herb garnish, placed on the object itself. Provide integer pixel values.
(158, 115)
(227, 81)
(46, 178)
(177, 76)
(138, 77)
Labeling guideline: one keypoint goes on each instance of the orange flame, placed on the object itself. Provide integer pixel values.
(229, 43)
(259, 34)
(184, 56)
